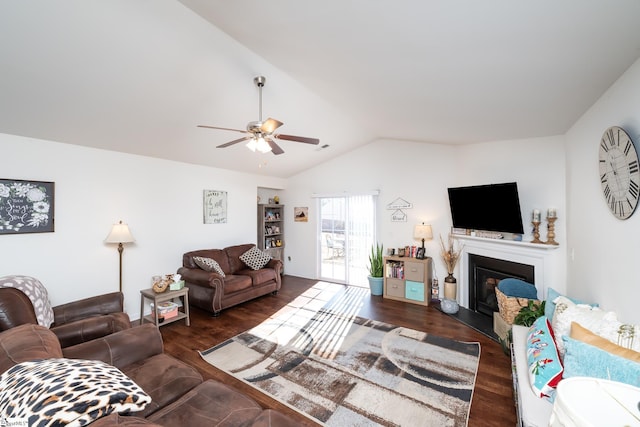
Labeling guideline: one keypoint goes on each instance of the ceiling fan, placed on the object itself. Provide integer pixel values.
(260, 133)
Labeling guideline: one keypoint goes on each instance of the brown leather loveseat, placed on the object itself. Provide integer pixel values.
(213, 291)
(178, 395)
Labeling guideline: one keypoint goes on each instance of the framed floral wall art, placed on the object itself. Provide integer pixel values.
(26, 206)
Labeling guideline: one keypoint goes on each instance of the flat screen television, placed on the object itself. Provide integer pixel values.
(493, 207)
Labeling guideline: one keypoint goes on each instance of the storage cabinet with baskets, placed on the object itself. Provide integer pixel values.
(408, 279)
(271, 230)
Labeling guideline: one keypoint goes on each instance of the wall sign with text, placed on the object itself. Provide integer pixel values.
(26, 206)
(215, 207)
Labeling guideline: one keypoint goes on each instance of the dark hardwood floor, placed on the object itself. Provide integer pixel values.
(492, 403)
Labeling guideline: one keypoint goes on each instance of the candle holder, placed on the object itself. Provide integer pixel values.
(536, 232)
(551, 231)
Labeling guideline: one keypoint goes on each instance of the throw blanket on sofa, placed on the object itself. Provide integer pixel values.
(36, 292)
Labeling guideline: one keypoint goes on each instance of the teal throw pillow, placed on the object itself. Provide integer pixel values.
(584, 360)
(518, 288)
(545, 368)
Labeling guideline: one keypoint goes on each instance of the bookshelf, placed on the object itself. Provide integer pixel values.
(408, 279)
(271, 230)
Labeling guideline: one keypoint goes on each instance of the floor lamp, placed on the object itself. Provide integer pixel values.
(120, 234)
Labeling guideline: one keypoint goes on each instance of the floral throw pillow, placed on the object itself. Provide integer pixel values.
(623, 334)
(592, 318)
(543, 359)
(254, 258)
(208, 264)
(550, 306)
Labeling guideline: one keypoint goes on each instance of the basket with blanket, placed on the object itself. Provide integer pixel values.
(513, 295)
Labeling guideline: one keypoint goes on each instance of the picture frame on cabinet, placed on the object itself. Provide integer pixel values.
(420, 253)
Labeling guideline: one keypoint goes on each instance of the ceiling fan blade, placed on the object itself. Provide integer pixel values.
(275, 148)
(235, 141)
(215, 127)
(269, 125)
(314, 141)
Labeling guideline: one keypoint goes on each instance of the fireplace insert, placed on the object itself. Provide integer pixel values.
(484, 275)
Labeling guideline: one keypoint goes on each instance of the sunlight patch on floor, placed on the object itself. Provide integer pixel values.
(310, 320)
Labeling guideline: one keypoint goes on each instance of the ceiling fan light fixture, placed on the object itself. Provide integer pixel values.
(258, 143)
(252, 144)
(262, 145)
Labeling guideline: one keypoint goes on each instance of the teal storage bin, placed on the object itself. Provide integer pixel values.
(414, 290)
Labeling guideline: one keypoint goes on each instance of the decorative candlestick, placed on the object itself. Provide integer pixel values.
(535, 217)
(551, 231)
(536, 232)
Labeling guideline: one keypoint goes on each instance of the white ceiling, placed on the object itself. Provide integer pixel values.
(137, 76)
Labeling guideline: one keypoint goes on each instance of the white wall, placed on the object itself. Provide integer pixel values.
(160, 200)
(605, 250)
(538, 166)
(420, 173)
(162, 203)
(412, 171)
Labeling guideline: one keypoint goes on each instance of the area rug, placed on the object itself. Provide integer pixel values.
(318, 357)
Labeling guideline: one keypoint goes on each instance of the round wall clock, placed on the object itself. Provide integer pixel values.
(619, 172)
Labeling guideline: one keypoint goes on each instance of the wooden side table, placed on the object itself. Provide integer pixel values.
(157, 298)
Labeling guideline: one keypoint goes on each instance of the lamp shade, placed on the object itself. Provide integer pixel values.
(119, 234)
(423, 231)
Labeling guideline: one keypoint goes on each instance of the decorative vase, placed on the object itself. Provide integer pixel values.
(376, 284)
(450, 287)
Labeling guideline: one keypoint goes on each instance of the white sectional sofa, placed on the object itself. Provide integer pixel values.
(531, 410)
(591, 343)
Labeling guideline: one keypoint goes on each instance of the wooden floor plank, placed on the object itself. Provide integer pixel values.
(492, 403)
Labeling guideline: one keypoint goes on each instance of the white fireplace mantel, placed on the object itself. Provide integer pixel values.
(540, 256)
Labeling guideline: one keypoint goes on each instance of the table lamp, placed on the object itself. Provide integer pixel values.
(423, 232)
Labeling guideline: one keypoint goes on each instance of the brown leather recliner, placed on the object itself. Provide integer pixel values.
(179, 396)
(74, 322)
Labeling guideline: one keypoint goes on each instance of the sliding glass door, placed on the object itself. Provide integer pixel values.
(346, 231)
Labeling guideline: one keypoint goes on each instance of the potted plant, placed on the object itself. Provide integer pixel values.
(376, 267)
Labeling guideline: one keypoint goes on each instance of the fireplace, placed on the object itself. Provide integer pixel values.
(484, 275)
(545, 260)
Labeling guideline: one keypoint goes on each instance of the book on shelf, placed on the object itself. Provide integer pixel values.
(395, 269)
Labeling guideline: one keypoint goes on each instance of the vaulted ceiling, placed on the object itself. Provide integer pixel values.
(137, 76)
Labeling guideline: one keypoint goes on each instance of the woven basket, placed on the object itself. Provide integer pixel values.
(509, 307)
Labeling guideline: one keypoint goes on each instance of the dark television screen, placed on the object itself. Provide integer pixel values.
(494, 207)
